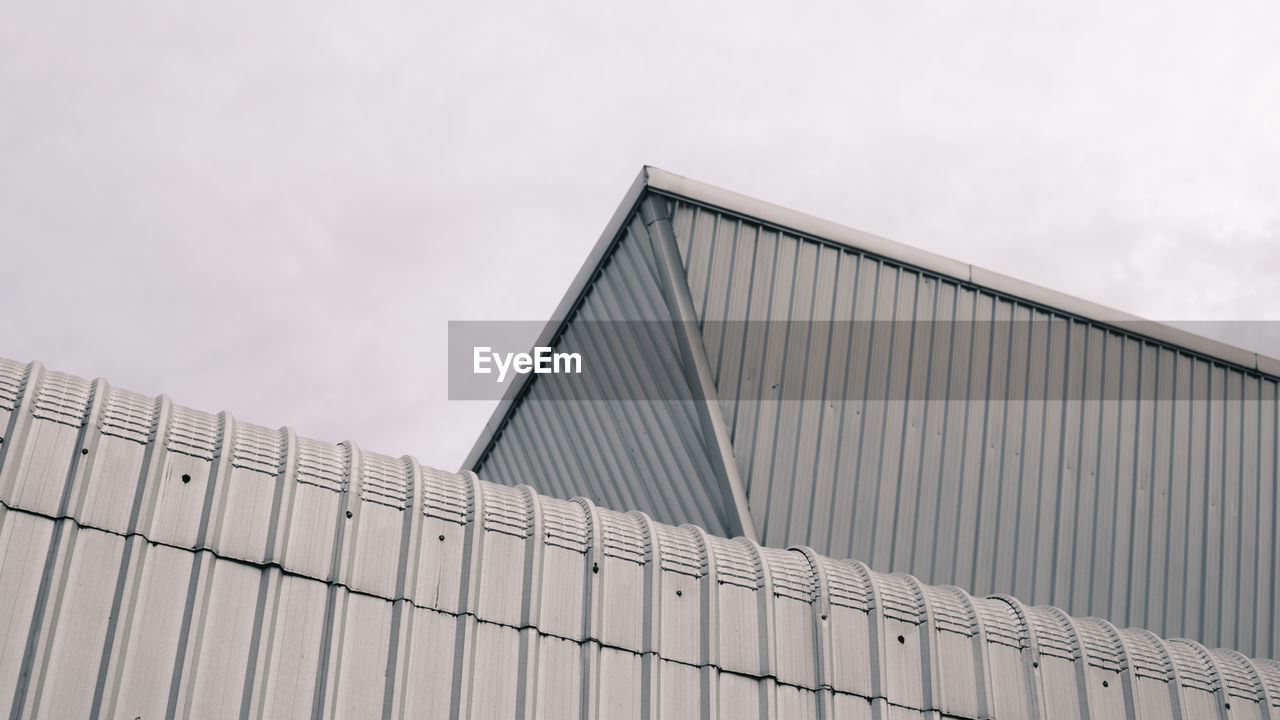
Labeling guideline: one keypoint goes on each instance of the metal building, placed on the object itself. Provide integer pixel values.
(157, 561)
(882, 403)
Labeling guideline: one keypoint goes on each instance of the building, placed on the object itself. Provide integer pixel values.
(157, 561)
(878, 402)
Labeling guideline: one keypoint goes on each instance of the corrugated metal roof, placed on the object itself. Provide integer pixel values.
(1059, 451)
(645, 455)
(1061, 460)
(156, 561)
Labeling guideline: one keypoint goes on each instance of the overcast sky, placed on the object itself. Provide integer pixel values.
(274, 208)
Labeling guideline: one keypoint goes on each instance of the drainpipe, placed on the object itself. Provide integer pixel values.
(697, 369)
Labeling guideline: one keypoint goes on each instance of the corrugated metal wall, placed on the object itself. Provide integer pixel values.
(157, 561)
(1048, 456)
(631, 453)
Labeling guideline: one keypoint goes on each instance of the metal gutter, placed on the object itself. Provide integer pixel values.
(697, 369)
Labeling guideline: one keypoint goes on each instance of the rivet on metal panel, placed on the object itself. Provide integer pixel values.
(349, 514)
(186, 478)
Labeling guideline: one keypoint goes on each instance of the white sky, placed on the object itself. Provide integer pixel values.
(274, 208)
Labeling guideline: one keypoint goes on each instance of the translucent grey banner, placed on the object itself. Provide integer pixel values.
(1054, 359)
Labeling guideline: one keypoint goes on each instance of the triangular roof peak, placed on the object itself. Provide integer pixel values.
(655, 180)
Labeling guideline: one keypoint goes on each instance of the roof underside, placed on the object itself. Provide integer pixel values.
(160, 561)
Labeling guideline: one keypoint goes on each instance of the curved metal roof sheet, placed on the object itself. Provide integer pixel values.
(160, 561)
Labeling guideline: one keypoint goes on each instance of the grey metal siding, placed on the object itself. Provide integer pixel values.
(639, 454)
(157, 561)
(1053, 457)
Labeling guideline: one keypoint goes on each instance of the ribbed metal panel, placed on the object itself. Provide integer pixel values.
(638, 454)
(486, 601)
(1040, 454)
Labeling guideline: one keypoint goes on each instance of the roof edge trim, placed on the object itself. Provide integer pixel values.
(559, 319)
(825, 230)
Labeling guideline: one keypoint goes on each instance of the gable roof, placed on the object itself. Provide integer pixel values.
(1159, 510)
(660, 182)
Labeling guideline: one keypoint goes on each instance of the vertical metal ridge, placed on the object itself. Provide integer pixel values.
(83, 453)
(411, 530)
(123, 615)
(253, 680)
(192, 624)
(52, 579)
(990, 516)
(883, 433)
(15, 435)
(216, 497)
(750, 388)
(901, 501)
(126, 583)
